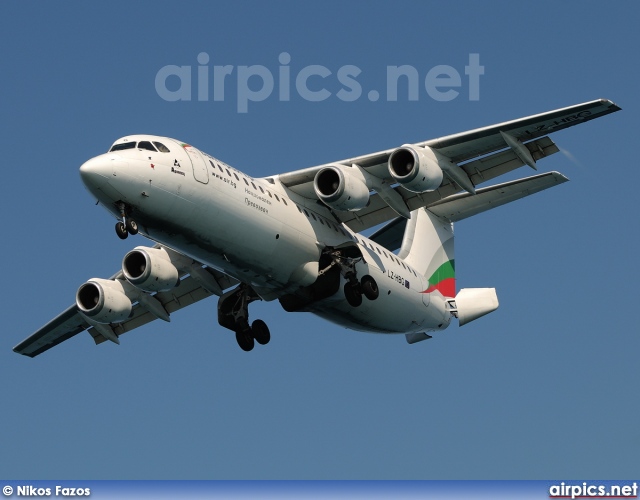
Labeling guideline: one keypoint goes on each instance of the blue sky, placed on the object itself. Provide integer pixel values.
(546, 387)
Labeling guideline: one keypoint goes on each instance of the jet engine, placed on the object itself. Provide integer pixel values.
(150, 269)
(103, 301)
(416, 169)
(341, 189)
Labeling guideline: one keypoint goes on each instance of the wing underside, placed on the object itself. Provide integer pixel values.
(71, 322)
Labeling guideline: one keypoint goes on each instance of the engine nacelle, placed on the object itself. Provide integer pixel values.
(340, 188)
(417, 169)
(103, 301)
(150, 269)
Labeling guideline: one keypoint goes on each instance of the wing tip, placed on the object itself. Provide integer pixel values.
(613, 107)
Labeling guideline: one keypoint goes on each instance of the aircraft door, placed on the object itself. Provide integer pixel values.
(198, 163)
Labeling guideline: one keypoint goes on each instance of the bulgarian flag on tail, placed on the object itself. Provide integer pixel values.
(444, 280)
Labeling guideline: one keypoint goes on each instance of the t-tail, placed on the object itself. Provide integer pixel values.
(428, 246)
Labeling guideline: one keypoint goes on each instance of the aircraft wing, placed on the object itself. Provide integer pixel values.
(71, 322)
(483, 154)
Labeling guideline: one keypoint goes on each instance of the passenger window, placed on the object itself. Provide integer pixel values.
(254, 186)
(220, 168)
(269, 193)
(276, 196)
(299, 209)
(261, 190)
(236, 176)
(306, 213)
(146, 145)
(212, 165)
(321, 221)
(314, 217)
(378, 250)
(122, 146)
(162, 148)
(245, 181)
(228, 173)
(284, 201)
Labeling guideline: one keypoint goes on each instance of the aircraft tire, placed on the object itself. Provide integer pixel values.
(132, 226)
(353, 295)
(260, 332)
(369, 287)
(121, 231)
(245, 340)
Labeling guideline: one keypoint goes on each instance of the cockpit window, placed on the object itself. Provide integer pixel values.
(122, 146)
(146, 145)
(161, 147)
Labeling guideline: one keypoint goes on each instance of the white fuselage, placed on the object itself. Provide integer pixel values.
(258, 232)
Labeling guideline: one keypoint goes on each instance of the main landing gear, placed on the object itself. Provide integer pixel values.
(127, 225)
(233, 313)
(354, 289)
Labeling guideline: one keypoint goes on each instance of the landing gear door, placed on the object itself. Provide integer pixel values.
(197, 162)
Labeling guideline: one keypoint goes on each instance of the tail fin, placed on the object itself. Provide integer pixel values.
(427, 246)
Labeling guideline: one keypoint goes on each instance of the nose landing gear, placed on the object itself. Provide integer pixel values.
(127, 225)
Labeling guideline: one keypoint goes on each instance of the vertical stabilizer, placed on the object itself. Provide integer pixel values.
(427, 246)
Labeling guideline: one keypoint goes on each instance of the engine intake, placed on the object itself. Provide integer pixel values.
(104, 301)
(417, 169)
(150, 269)
(341, 189)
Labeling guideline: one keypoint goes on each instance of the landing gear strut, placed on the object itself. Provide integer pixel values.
(353, 288)
(233, 313)
(127, 225)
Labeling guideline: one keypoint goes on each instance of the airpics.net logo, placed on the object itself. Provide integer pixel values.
(314, 82)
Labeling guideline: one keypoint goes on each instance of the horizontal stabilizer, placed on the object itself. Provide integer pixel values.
(461, 206)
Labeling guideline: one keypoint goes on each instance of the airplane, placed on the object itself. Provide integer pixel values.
(297, 237)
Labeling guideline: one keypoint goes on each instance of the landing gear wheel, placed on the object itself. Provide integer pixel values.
(369, 287)
(121, 231)
(245, 340)
(352, 294)
(260, 332)
(132, 226)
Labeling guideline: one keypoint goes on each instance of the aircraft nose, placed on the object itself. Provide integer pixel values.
(95, 171)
